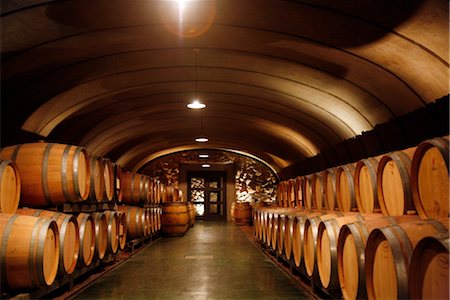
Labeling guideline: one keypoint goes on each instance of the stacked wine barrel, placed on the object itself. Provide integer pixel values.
(178, 215)
(376, 229)
(62, 213)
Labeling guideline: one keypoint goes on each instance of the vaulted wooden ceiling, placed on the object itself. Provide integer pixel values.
(281, 79)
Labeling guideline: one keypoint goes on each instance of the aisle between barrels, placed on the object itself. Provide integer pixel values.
(212, 261)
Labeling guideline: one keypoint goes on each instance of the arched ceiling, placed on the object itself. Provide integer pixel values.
(282, 79)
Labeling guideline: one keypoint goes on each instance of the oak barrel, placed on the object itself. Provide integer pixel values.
(9, 187)
(174, 218)
(101, 234)
(136, 227)
(97, 181)
(351, 253)
(366, 185)
(298, 192)
(241, 213)
(329, 185)
(87, 239)
(428, 272)
(112, 219)
(117, 182)
(317, 190)
(393, 184)
(29, 252)
(122, 229)
(50, 173)
(311, 230)
(108, 179)
(345, 188)
(388, 257)
(307, 192)
(430, 179)
(69, 240)
(327, 256)
(135, 188)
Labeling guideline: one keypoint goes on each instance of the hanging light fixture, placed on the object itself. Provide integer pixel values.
(201, 139)
(203, 156)
(196, 102)
(206, 165)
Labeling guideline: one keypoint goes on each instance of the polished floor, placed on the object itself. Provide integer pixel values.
(212, 261)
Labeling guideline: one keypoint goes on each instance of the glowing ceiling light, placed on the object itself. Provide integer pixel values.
(203, 155)
(202, 139)
(196, 104)
(206, 165)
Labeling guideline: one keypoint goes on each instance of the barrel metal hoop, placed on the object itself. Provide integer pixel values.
(44, 174)
(439, 227)
(331, 226)
(5, 238)
(64, 173)
(32, 253)
(76, 169)
(359, 217)
(358, 239)
(40, 249)
(37, 213)
(393, 234)
(16, 152)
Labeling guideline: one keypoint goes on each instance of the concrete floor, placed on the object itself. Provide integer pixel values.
(212, 261)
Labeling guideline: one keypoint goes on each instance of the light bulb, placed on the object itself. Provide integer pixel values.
(203, 155)
(196, 104)
(206, 165)
(202, 139)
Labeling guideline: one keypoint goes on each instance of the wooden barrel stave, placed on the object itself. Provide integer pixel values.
(174, 218)
(50, 173)
(9, 187)
(87, 239)
(29, 252)
(101, 234)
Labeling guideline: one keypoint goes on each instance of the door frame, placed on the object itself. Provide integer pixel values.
(208, 175)
(227, 167)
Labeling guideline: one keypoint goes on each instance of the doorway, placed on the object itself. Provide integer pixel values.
(207, 191)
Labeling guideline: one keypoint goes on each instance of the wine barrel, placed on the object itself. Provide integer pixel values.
(135, 188)
(345, 188)
(69, 240)
(87, 239)
(310, 241)
(307, 192)
(290, 193)
(174, 218)
(298, 192)
(148, 221)
(101, 234)
(241, 213)
(329, 185)
(388, 257)
(351, 253)
(280, 194)
(317, 190)
(117, 182)
(108, 179)
(327, 239)
(430, 179)
(29, 249)
(288, 233)
(97, 181)
(366, 185)
(428, 272)
(136, 227)
(298, 231)
(393, 184)
(50, 173)
(9, 187)
(122, 229)
(112, 219)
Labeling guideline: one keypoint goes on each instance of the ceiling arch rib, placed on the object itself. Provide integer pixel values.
(355, 71)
